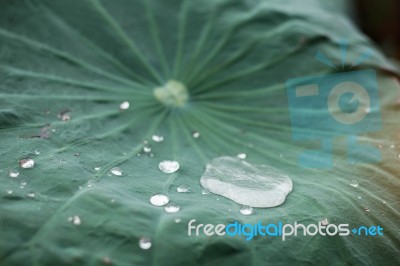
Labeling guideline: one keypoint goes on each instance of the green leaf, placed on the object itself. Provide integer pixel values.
(228, 61)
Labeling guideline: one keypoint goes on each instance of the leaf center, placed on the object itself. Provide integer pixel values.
(173, 93)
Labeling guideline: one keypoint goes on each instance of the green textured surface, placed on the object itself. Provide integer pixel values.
(234, 57)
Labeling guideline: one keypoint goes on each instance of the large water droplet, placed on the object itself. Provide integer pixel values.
(13, 173)
(157, 138)
(124, 105)
(27, 163)
(255, 186)
(183, 188)
(246, 210)
(116, 171)
(354, 183)
(159, 200)
(144, 243)
(171, 208)
(169, 167)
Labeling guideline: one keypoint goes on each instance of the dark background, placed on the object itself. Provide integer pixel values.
(380, 20)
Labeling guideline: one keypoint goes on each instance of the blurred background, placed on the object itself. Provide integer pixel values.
(380, 20)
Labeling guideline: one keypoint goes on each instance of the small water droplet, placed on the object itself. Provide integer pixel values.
(183, 188)
(53, 130)
(31, 195)
(23, 183)
(9, 191)
(178, 220)
(354, 183)
(392, 146)
(157, 138)
(384, 202)
(196, 134)
(65, 115)
(146, 149)
(169, 167)
(76, 220)
(97, 168)
(13, 173)
(246, 210)
(159, 200)
(172, 208)
(325, 221)
(359, 197)
(366, 209)
(124, 105)
(37, 152)
(205, 191)
(242, 156)
(106, 260)
(116, 171)
(144, 243)
(27, 163)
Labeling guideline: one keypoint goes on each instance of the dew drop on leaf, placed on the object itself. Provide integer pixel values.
(27, 163)
(242, 156)
(366, 209)
(354, 183)
(169, 167)
(196, 134)
(246, 210)
(144, 243)
(146, 149)
(246, 184)
(31, 195)
(76, 220)
(159, 200)
(37, 152)
(13, 173)
(172, 208)
(116, 171)
(9, 191)
(97, 168)
(325, 221)
(183, 188)
(157, 138)
(64, 115)
(178, 220)
(124, 105)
